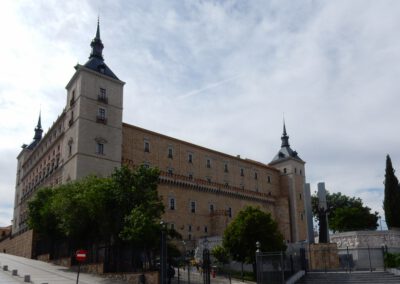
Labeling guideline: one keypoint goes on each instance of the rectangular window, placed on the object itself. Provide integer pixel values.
(205, 229)
(72, 101)
(172, 203)
(269, 179)
(101, 115)
(208, 163)
(170, 152)
(190, 176)
(241, 172)
(211, 208)
(226, 167)
(193, 206)
(170, 172)
(189, 228)
(102, 97)
(100, 148)
(190, 158)
(230, 212)
(255, 176)
(146, 146)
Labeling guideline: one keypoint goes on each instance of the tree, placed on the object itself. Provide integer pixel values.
(392, 196)
(108, 210)
(252, 225)
(221, 254)
(340, 209)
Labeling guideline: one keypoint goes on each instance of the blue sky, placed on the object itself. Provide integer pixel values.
(220, 74)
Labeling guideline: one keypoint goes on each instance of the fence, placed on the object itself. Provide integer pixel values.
(277, 267)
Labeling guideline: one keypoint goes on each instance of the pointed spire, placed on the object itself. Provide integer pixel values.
(96, 44)
(38, 129)
(285, 137)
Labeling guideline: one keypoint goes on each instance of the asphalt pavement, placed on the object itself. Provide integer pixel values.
(42, 272)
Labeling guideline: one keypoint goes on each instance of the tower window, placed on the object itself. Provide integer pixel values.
(241, 172)
(269, 179)
(255, 176)
(300, 172)
(189, 228)
(295, 170)
(170, 152)
(101, 115)
(211, 208)
(193, 206)
(102, 97)
(229, 212)
(72, 101)
(100, 148)
(284, 170)
(190, 158)
(208, 163)
(205, 229)
(146, 146)
(172, 203)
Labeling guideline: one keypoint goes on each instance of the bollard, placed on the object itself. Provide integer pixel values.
(5, 267)
(27, 278)
(14, 272)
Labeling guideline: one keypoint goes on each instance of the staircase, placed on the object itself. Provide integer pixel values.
(349, 278)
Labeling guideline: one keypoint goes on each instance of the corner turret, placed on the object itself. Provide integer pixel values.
(38, 134)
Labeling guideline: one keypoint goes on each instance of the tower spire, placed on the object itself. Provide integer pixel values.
(96, 44)
(285, 137)
(38, 129)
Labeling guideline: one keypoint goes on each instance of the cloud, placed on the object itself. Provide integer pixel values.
(331, 67)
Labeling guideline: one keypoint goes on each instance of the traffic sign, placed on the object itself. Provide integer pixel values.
(80, 255)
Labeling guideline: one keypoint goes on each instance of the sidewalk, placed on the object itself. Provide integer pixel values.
(42, 272)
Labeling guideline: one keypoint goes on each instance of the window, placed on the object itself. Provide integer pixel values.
(189, 228)
(295, 170)
(284, 170)
(102, 97)
(229, 212)
(72, 101)
(208, 163)
(300, 172)
(70, 141)
(170, 171)
(269, 179)
(190, 158)
(146, 146)
(172, 226)
(100, 148)
(208, 179)
(189, 237)
(170, 152)
(255, 176)
(226, 167)
(300, 196)
(205, 229)
(190, 176)
(172, 203)
(193, 206)
(71, 120)
(211, 208)
(241, 172)
(101, 115)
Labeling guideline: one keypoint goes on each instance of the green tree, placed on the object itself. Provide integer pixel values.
(109, 210)
(340, 209)
(252, 225)
(221, 254)
(392, 196)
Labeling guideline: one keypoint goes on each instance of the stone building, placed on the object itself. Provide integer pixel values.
(202, 189)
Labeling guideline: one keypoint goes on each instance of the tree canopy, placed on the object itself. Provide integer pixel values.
(252, 225)
(123, 207)
(346, 213)
(392, 196)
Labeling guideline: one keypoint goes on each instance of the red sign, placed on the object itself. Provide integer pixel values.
(80, 255)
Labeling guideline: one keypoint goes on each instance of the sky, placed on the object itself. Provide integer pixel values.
(220, 74)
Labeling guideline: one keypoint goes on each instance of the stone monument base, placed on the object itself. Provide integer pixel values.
(323, 256)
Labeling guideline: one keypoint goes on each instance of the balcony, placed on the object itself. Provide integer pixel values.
(102, 99)
(101, 119)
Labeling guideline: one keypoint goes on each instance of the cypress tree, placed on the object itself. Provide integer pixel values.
(391, 202)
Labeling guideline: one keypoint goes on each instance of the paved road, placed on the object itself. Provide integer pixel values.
(42, 272)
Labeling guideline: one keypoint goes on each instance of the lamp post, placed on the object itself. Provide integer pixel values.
(206, 262)
(258, 262)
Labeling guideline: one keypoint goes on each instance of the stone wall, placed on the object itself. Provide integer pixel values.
(20, 245)
(373, 239)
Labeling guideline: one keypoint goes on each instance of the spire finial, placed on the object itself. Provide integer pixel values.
(96, 44)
